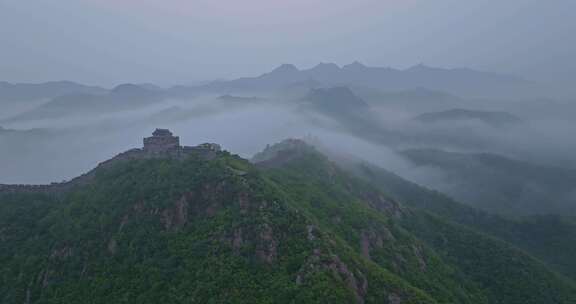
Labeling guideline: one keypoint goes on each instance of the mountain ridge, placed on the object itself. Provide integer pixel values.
(461, 81)
(31, 91)
(171, 227)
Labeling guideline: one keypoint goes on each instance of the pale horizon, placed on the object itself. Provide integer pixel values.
(178, 42)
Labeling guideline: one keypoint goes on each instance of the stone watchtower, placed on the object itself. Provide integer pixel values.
(161, 141)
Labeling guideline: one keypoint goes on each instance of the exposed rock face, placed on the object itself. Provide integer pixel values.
(62, 253)
(365, 245)
(311, 229)
(268, 248)
(354, 279)
(112, 246)
(358, 284)
(46, 278)
(371, 240)
(177, 216)
(420, 256)
(237, 240)
(382, 203)
(394, 299)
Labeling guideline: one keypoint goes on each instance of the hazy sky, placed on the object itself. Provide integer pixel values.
(181, 41)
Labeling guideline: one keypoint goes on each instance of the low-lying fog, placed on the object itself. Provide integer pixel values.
(60, 148)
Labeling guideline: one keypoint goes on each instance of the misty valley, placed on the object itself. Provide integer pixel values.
(333, 184)
(408, 122)
(291, 152)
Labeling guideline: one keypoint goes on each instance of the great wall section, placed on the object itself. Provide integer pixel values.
(162, 144)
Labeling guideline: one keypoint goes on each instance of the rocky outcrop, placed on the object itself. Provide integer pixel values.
(176, 217)
(374, 239)
(112, 246)
(418, 252)
(378, 201)
(357, 283)
(354, 279)
(237, 240)
(267, 249)
(394, 299)
(61, 253)
(311, 232)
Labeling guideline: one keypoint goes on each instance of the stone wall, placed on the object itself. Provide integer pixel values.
(204, 151)
(159, 144)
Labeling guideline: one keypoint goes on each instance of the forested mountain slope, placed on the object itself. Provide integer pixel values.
(551, 238)
(498, 268)
(292, 229)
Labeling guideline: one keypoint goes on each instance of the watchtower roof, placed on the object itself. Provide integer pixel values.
(162, 132)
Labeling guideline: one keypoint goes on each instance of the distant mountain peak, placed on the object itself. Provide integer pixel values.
(285, 68)
(354, 65)
(284, 151)
(336, 97)
(326, 66)
(461, 82)
(421, 67)
(45, 90)
(128, 89)
(124, 86)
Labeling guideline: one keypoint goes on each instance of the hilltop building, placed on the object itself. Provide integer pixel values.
(162, 144)
(161, 141)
